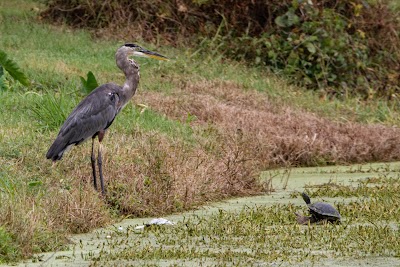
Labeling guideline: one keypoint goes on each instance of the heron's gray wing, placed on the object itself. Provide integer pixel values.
(93, 114)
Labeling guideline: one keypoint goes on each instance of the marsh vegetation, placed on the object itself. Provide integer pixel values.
(262, 230)
(200, 128)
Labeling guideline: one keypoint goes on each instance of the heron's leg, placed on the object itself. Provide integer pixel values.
(93, 160)
(100, 162)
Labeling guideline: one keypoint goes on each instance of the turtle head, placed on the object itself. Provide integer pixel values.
(306, 198)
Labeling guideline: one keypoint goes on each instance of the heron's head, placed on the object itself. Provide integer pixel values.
(135, 50)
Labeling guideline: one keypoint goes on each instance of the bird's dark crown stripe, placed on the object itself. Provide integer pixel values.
(131, 45)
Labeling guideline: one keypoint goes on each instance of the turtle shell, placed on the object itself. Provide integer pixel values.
(323, 210)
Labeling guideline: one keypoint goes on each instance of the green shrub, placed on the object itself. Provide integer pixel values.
(339, 50)
(316, 50)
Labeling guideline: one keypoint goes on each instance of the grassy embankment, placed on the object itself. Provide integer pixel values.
(183, 150)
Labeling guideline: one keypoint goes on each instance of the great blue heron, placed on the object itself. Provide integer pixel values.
(96, 112)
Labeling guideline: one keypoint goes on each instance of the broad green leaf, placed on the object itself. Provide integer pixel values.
(292, 18)
(312, 38)
(2, 85)
(288, 19)
(34, 183)
(12, 68)
(2, 77)
(280, 21)
(91, 82)
(83, 82)
(311, 48)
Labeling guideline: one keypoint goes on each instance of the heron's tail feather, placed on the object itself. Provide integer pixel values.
(57, 149)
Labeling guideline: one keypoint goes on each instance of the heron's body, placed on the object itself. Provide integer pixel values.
(93, 115)
(96, 112)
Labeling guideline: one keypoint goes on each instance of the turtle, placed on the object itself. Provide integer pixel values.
(319, 211)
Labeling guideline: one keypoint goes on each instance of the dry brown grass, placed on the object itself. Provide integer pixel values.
(41, 224)
(39, 217)
(277, 135)
(166, 175)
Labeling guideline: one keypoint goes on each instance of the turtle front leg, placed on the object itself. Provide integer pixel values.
(314, 219)
(301, 219)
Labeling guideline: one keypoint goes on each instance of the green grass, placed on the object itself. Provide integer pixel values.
(152, 121)
(8, 250)
(53, 58)
(56, 57)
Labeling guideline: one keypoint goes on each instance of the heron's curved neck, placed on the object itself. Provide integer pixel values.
(131, 71)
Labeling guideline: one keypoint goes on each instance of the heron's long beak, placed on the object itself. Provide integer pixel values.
(150, 54)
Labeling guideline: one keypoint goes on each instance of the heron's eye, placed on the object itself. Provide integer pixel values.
(112, 96)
